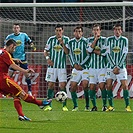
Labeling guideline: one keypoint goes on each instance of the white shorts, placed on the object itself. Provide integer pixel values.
(97, 75)
(121, 76)
(78, 76)
(53, 74)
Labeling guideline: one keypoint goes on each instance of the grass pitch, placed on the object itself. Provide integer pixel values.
(57, 121)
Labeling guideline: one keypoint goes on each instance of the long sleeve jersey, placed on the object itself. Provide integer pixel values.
(78, 52)
(117, 49)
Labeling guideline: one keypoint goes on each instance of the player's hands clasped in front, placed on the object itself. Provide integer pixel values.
(116, 70)
(98, 52)
(78, 67)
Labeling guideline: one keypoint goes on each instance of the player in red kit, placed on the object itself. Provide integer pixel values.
(9, 87)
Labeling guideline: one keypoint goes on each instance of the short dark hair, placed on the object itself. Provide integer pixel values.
(59, 26)
(117, 25)
(96, 25)
(78, 27)
(10, 41)
(16, 24)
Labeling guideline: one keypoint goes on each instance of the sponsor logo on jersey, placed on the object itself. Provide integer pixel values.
(102, 74)
(74, 74)
(116, 49)
(77, 51)
(57, 48)
(97, 48)
(18, 42)
(91, 76)
(85, 73)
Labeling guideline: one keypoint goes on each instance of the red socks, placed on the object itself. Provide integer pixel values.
(18, 106)
(31, 99)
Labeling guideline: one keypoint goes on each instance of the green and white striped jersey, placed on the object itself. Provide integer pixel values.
(117, 49)
(78, 52)
(56, 51)
(97, 61)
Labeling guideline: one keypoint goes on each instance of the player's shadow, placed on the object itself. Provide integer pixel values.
(48, 121)
(13, 128)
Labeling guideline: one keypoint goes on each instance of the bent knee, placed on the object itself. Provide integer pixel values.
(23, 95)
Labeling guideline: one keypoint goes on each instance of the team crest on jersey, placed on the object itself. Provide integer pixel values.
(77, 51)
(116, 49)
(57, 48)
(18, 42)
(97, 48)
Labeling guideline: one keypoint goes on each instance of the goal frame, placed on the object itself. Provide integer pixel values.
(80, 4)
(42, 92)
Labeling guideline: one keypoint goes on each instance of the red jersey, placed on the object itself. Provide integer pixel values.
(5, 61)
(7, 85)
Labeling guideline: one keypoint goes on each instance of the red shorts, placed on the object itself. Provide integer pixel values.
(8, 86)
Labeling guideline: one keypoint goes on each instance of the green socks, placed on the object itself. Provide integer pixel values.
(86, 94)
(110, 97)
(126, 97)
(74, 98)
(64, 103)
(93, 97)
(50, 94)
(104, 97)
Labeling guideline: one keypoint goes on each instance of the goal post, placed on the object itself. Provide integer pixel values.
(39, 19)
(80, 4)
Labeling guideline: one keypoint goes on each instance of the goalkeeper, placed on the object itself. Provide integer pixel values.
(19, 53)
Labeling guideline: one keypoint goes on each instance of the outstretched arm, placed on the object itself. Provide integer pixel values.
(16, 67)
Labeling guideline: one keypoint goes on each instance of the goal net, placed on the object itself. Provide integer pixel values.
(39, 19)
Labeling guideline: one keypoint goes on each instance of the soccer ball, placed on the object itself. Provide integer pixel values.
(61, 96)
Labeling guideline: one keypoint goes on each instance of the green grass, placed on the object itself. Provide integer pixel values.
(57, 121)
